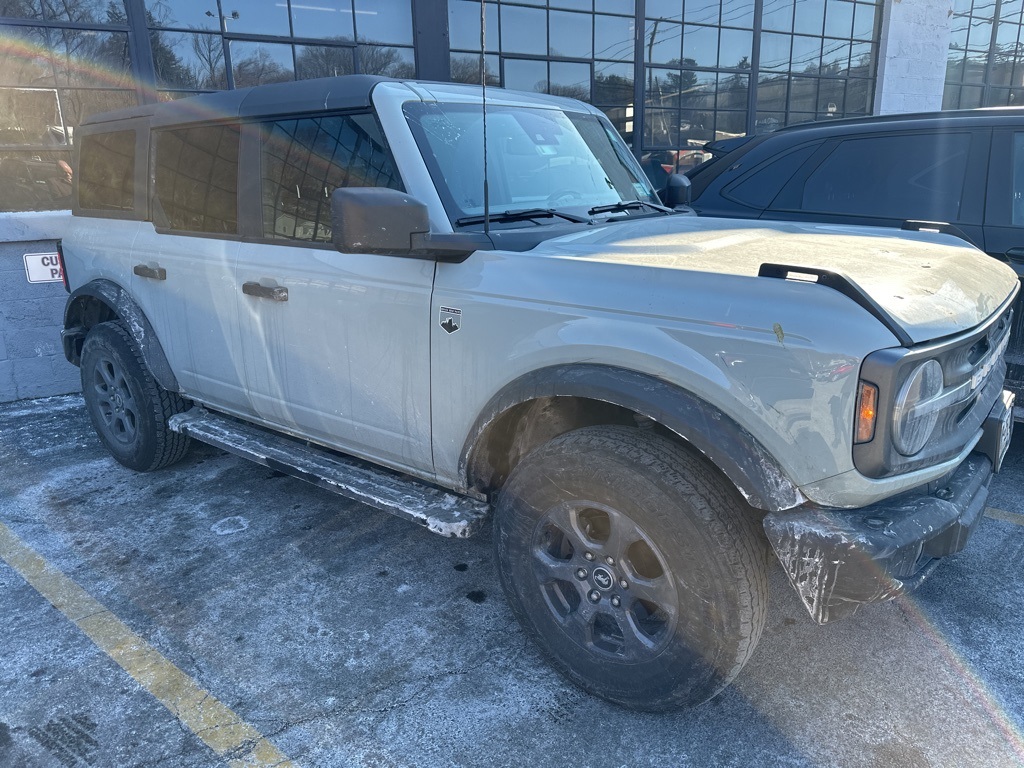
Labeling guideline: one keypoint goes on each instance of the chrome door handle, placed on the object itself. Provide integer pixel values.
(274, 293)
(153, 273)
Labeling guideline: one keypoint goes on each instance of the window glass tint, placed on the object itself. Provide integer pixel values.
(1018, 179)
(900, 177)
(304, 161)
(106, 171)
(761, 187)
(196, 187)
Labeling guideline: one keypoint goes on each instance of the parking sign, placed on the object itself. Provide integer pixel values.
(43, 268)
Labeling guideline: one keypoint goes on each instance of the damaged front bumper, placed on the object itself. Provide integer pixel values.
(838, 559)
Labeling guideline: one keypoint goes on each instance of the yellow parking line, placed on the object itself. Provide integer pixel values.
(1001, 514)
(221, 729)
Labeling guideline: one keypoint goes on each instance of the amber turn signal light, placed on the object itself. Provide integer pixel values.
(867, 410)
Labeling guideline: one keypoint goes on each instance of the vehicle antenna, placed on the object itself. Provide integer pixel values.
(483, 87)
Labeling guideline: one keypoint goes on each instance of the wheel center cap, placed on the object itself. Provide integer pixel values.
(603, 579)
(118, 402)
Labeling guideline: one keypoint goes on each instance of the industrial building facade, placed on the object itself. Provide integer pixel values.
(670, 74)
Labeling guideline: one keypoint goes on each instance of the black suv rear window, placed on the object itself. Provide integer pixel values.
(909, 176)
(106, 171)
(196, 179)
(759, 188)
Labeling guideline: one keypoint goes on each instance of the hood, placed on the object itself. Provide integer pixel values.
(930, 285)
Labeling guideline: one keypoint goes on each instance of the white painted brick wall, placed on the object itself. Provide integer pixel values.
(912, 55)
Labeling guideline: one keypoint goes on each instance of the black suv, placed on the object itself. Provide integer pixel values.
(963, 168)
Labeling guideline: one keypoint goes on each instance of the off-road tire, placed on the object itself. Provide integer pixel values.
(128, 409)
(689, 589)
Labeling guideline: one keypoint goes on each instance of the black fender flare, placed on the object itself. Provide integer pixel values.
(724, 442)
(120, 302)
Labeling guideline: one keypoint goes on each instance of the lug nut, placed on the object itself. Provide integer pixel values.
(610, 560)
(581, 573)
(615, 601)
(594, 596)
(623, 583)
(588, 555)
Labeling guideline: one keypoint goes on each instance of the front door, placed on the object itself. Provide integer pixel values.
(336, 346)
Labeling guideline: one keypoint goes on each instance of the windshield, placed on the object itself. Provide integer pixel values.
(537, 159)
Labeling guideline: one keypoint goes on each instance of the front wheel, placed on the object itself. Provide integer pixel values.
(634, 565)
(128, 409)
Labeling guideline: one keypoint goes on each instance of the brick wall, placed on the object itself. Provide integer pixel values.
(32, 362)
(912, 55)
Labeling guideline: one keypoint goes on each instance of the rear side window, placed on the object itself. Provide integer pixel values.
(303, 161)
(759, 188)
(106, 171)
(911, 176)
(196, 179)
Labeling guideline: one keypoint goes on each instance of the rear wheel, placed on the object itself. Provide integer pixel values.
(635, 566)
(128, 409)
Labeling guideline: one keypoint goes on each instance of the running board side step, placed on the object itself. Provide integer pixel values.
(438, 510)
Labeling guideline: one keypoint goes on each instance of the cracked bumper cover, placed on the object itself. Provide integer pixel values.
(839, 559)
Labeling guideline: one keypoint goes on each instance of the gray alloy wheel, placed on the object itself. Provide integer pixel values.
(128, 409)
(637, 568)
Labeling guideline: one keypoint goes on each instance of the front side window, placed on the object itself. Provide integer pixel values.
(912, 176)
(303, 161)
(106, 171)
(537, 158)
(196, 179)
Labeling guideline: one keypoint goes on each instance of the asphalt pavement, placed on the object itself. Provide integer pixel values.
(218, 612)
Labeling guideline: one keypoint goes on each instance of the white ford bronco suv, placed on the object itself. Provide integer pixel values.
(328, 278)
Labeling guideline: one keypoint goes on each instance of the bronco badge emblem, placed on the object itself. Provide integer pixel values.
(450, 319)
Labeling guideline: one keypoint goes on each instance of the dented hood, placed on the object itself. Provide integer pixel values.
(930, 285)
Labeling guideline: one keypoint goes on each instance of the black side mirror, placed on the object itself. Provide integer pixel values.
(376, 220)
(677, 190)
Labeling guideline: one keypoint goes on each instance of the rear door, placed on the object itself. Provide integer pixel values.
(183, 261)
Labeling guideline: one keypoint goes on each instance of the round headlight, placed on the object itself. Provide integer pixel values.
(915, 413)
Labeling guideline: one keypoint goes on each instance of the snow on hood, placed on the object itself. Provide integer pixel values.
(931, 285)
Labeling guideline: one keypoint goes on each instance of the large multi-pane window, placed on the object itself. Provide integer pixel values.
(61, 62)
(986, 55)
(701, 69)
(721, 68)
(578, 48)
(206, 45)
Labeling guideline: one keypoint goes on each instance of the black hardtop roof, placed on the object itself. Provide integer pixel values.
(326, 93)
(939, 119)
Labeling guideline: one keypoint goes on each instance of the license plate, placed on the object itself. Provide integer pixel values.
(1006, 429)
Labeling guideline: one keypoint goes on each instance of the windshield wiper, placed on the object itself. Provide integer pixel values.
(521, 215)
(628, 205)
